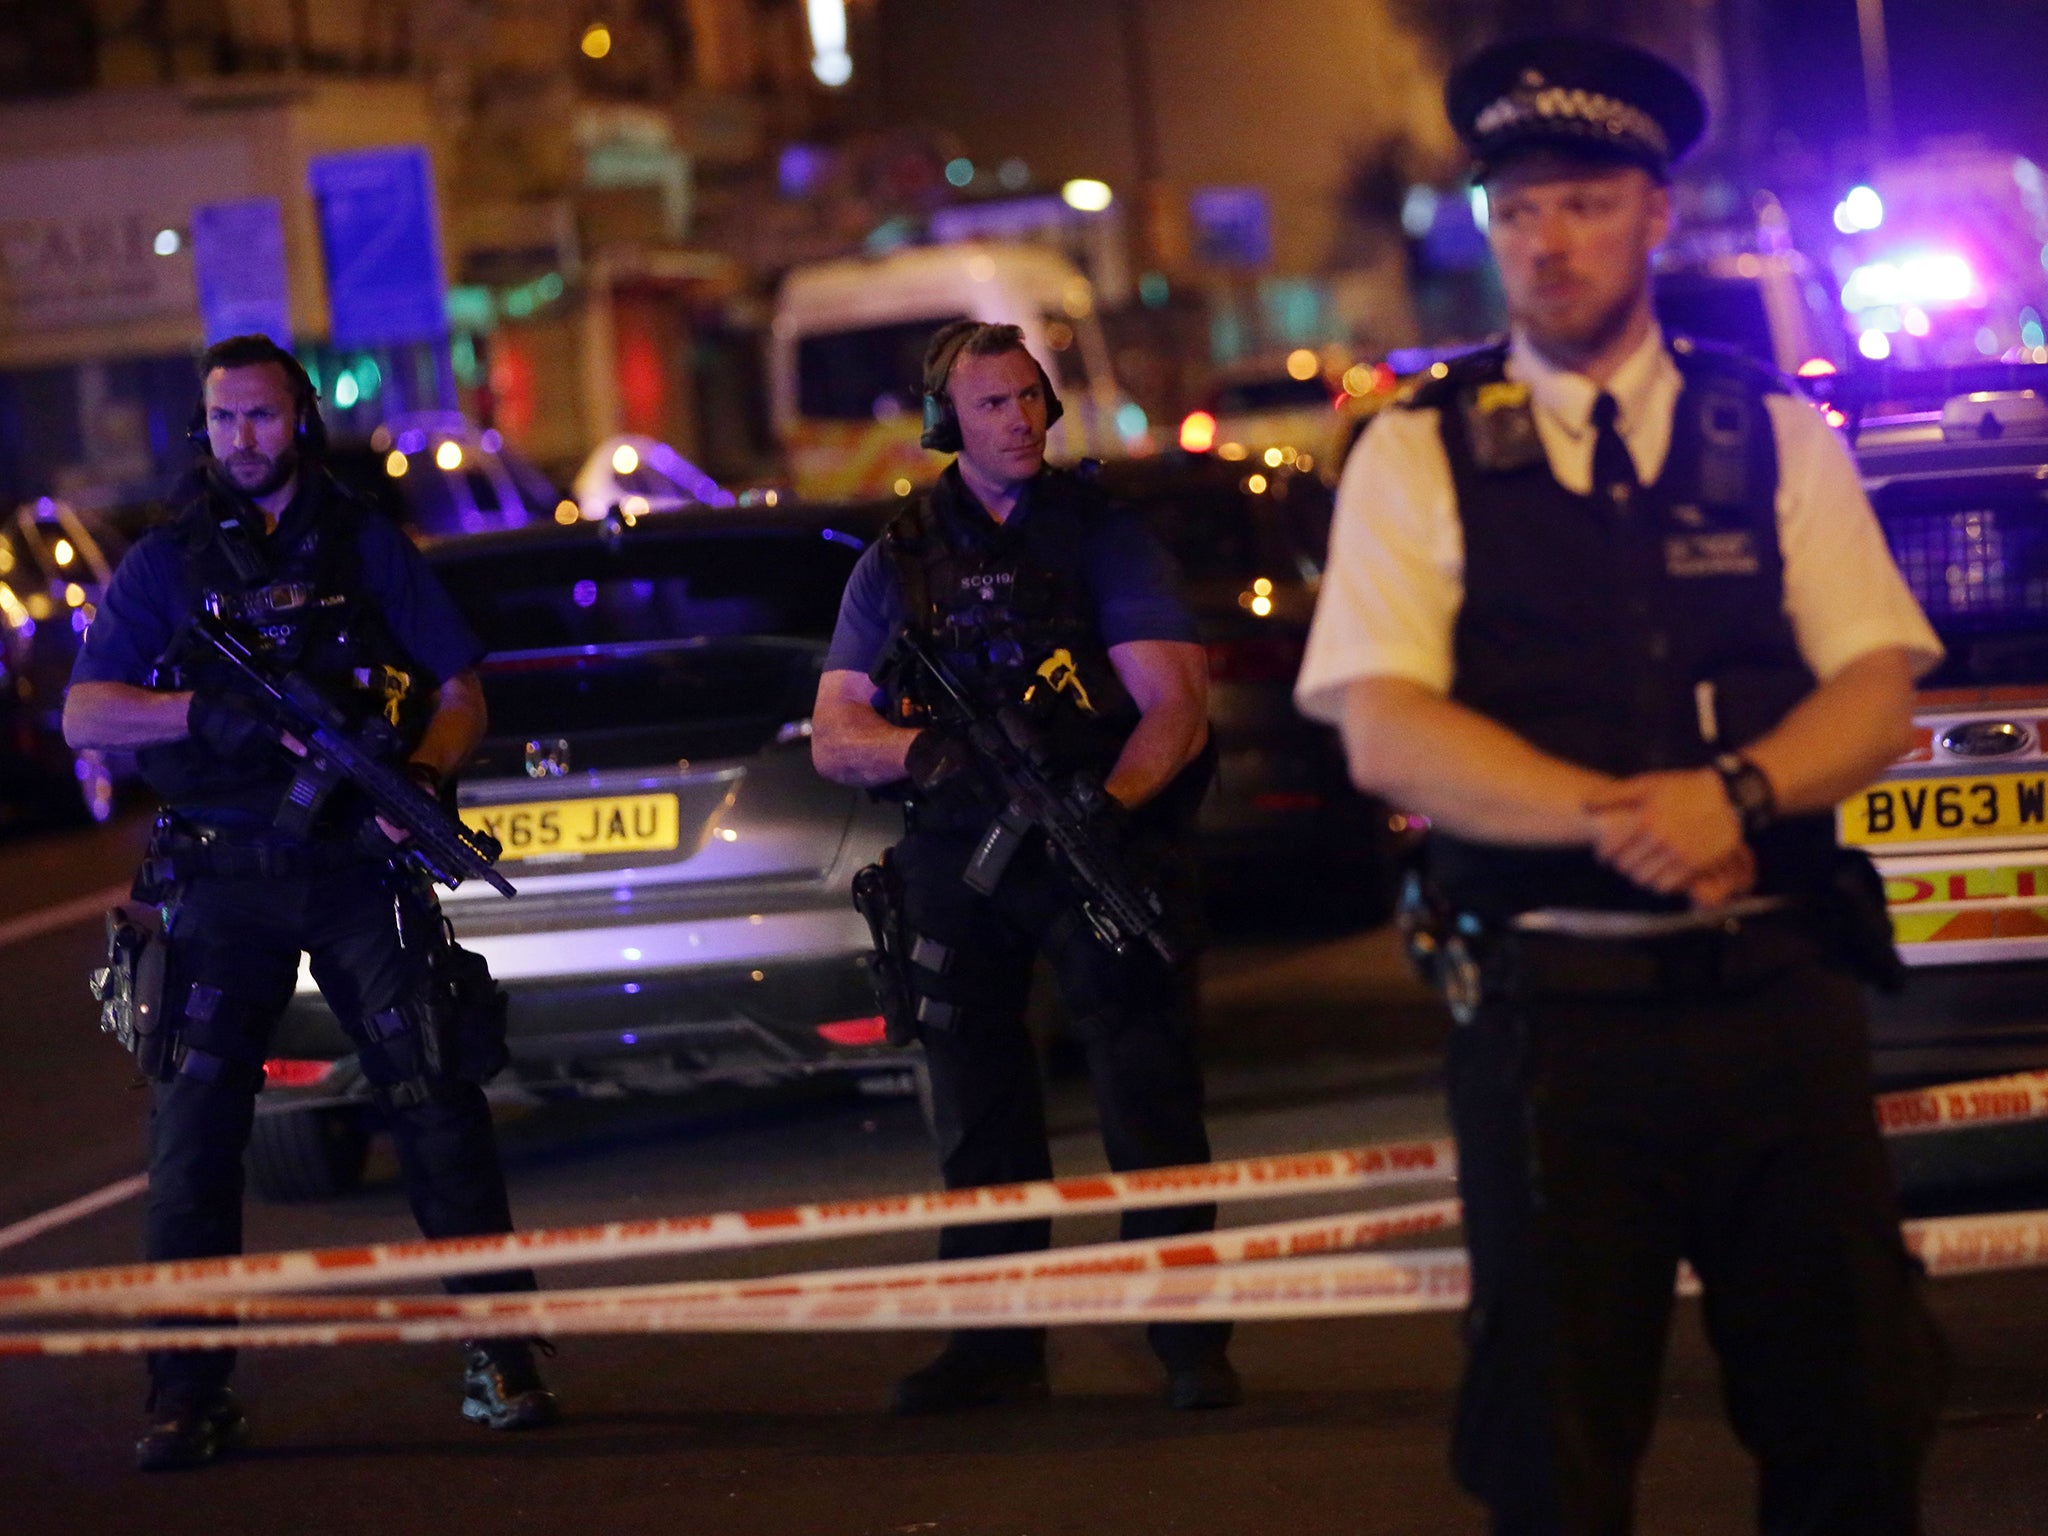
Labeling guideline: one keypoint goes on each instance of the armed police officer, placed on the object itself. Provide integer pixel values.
(1047, 601)
(1612, 611)
(269, 543)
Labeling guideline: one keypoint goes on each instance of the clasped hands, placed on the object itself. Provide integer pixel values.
(1673, 832)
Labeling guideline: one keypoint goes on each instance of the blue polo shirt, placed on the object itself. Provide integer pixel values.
(153, 593)
(1132, 584)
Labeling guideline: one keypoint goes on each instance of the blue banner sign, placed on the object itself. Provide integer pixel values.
(381, 240)
(238, 264)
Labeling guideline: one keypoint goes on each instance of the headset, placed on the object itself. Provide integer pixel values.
(309, 433)
(941, 420)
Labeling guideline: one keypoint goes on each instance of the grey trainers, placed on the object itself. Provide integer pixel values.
(194, 1433)
(502, 1389)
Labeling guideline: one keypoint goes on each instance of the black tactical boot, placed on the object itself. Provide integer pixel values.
(192, 1432)
(502, 1389)
(970, 1373)
(1210, 1383)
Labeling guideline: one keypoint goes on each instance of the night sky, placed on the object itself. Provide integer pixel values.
(1958, 66)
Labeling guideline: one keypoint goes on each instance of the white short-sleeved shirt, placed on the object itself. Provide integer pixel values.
(1395, 576)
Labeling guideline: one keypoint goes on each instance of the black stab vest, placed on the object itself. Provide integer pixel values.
(1012, 611)
(1620, 640)
(297, 598)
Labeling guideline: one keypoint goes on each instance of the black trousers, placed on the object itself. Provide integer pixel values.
(1134, 1017)
(1600, 1140)
(237, 942)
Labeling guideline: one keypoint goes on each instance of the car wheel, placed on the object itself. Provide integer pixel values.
(308, 1154)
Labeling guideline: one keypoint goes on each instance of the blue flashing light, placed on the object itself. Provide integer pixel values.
(841, 536)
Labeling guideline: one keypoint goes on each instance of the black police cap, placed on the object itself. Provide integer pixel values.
(1575, 93)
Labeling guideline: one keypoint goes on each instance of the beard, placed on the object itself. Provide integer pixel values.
(275, 474)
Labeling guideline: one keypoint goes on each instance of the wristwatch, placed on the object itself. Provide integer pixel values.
(1755, 802)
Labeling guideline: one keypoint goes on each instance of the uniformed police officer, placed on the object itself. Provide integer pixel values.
(1023, 574)
(1613, 612)
(264, 536)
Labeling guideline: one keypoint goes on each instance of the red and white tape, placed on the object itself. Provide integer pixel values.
(1987, 1101)
(1098, 1283)
(1252, 1178)
(1332, 1285)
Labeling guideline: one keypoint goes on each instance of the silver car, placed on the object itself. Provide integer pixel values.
(683, 914)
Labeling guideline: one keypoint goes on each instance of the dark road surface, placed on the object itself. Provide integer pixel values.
(1312, 1043)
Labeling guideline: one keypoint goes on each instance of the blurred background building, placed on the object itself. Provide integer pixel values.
(616, 190)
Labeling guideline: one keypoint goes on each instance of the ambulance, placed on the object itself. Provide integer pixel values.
(1958, 827)
(847, 347)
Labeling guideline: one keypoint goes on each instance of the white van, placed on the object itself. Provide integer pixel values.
(848, 348)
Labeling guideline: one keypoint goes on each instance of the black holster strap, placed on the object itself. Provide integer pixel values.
(207, 1067)
(929, 954)
(395, 1021)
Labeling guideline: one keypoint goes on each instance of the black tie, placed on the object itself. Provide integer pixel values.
(1614, 472)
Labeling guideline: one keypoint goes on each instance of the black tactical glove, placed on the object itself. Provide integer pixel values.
(1107, 816)
(231, 726)
(936, 757)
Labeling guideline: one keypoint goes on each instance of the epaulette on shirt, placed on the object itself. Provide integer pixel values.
(1445, 379)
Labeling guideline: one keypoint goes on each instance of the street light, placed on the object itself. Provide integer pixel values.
(830, 61)
(1087, 195)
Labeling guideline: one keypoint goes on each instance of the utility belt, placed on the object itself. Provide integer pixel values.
(182, 848)
(1650, 957)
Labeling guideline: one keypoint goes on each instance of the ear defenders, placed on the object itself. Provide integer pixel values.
(309, 432)
(941, 421)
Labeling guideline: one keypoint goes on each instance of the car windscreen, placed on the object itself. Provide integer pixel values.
(1212, 530)
(1975, 554)
(1283, 394)
(859, 375)
(720, 586)
(1726, 310)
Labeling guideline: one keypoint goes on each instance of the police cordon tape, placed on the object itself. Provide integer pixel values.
(1200, 1285)
(1251, 1178)
(1073, 1285)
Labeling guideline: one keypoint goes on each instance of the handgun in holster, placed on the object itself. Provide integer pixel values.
(1858, 922)
(130, 991)
(1442, 947)
(878, 897)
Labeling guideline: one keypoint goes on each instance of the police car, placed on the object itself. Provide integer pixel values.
(683, 915)
(1958, 827)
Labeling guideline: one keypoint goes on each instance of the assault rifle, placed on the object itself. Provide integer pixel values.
(1118, 910)
(338, 752)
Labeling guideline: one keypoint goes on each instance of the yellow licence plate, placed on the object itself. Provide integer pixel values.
(1947, 810)
(613, 824)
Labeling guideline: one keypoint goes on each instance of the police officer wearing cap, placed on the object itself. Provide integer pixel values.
(1025, 575)
(1611, 609)
(266, 539)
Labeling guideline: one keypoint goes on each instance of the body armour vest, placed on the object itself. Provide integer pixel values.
(1623, 640)
(1011, 612)
(297, 598)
